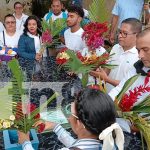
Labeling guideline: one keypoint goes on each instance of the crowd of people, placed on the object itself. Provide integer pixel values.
(92, 114)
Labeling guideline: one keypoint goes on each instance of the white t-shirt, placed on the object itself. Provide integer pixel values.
(20, 22)
(54, 17)
(73, 41)
(10, 41)
(124, 60)
(1, 27)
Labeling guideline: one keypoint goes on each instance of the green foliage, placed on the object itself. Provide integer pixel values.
(139, 115)
(26, 120)
(55, 27)
(98, 11)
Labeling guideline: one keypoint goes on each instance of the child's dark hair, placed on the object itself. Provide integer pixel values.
(76, 9)
(38, 24)
(95, 110)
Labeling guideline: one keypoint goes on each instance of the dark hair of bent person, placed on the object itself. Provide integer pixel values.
(38, 24)
(136, 25)
(76, 9)
(9, 15)
(95, 110)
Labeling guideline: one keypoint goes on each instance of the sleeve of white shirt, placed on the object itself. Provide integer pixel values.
(115, 91)
(115, 10)
(63, 136)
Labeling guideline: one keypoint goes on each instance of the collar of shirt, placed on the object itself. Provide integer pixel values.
(87, 143)
(22, 17)
(132, 50)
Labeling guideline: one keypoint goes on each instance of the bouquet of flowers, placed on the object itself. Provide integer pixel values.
(51, 31)
(94, 34)
(137, 113)
(23, 113)
(75, 62)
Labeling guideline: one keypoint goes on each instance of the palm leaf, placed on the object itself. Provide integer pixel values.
(98, 11)
(55, 27)
(17, 73)
(37, 110)
(143, 107)
(144, 128)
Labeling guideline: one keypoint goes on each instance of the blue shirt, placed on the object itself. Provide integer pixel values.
(127, 9)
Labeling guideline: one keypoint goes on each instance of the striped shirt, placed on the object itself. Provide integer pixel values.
(66, 138)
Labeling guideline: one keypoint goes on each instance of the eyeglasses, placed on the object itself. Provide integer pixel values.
(125, 34)
(67, 111)
(10, 22)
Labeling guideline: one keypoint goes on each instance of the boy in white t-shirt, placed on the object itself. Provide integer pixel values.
(73, 35)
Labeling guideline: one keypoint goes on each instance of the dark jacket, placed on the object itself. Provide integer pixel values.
(26, 48)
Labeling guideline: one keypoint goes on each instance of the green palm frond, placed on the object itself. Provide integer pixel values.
(98, 11)
(17, 73)
(144, 127)
(55, 27)
(144, 106)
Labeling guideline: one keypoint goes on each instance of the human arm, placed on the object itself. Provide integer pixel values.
(114, 21)
(103, 74)
(63, 135)
(24, 139)
(113, 28)
(147, 13)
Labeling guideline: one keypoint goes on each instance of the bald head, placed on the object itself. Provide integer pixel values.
(143, 46)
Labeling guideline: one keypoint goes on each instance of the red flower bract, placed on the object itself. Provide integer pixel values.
(128, 100)
(46, 37)
(41, 127)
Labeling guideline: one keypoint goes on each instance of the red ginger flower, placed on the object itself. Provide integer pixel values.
(46, 37)
(128, 100)
(93, 34)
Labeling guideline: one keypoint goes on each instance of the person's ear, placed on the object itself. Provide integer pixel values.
(80, 124)
(79, 19)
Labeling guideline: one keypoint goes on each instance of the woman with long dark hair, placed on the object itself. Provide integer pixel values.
(29, 45)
